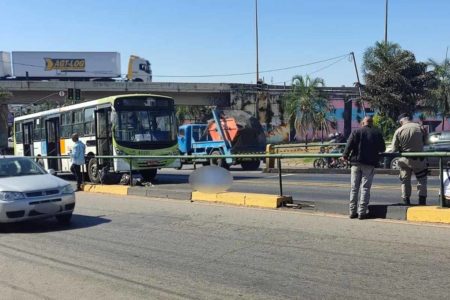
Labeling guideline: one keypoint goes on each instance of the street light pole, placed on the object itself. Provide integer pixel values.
(257, 42)
(386, 22)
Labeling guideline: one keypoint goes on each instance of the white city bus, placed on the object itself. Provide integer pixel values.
(138, 124)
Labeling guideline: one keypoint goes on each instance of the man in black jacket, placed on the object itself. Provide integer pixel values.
(362, 150)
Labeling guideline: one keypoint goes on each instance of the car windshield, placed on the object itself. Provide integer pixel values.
(19, 166)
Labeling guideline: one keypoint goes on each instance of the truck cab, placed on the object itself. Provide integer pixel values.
(139, 69)
(188, 137)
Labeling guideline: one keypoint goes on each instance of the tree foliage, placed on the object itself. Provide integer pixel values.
(439, 100)
(306, 108)
(395, 82)
(191, 113)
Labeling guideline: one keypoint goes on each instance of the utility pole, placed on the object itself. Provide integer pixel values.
(386, 23)
(257, 63)
(257, 42)
(359, 83)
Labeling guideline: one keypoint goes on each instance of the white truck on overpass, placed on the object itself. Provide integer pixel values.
(73, 66)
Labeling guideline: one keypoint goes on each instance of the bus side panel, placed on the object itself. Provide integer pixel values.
(18, 150)
(65, 147)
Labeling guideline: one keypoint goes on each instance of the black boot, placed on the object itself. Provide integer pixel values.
(422, 200)
(406, 201)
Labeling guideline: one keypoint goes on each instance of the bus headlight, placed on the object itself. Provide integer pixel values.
(119, 152)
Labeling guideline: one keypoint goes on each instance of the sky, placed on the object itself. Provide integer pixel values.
(217, 37)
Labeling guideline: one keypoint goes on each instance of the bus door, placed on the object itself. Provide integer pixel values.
(28, 147)
(103, 134)
(52, 138)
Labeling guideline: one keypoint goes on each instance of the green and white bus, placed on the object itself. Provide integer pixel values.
(135, 124)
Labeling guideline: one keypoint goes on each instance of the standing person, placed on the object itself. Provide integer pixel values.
(77, 158)
(362, 150)
(411, 137)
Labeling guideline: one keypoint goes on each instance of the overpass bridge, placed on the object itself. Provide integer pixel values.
(27, 92)
(220, 94)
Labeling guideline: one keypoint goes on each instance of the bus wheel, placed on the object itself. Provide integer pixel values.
(251, 165)
(93, 171)
(148, 175)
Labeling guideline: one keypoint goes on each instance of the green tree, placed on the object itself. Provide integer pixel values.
(306, 108)
(395, 82)
(191, 113)
(386, 125)
(439, 101)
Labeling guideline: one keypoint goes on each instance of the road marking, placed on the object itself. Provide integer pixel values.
(276, 176)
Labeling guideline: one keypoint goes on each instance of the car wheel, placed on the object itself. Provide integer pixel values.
(394, 164)
(64, 219)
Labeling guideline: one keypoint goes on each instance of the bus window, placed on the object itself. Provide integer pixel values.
(19, 136)
(38, 130)
(66, 125)
(89, 121)
(78, 122)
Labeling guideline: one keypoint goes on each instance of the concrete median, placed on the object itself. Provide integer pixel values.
(243, 199)
(431, 214)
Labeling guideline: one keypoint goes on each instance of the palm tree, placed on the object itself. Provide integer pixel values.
(395, 81)
(306, 108)
(440, 95)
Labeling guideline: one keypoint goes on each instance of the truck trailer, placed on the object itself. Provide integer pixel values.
(73, 66)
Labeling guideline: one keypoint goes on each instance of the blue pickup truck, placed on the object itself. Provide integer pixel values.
(229, 132)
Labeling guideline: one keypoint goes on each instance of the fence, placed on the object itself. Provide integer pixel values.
(279, 158)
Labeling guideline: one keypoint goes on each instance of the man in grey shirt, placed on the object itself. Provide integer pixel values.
(411, 137)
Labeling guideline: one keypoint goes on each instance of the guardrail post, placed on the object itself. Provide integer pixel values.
(270, 162)
(131, 171)
(280, 178)
(441, 183)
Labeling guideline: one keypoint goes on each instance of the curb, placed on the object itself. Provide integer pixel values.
(106, 189)
(430, 214)
(427, 214)
(243, 199)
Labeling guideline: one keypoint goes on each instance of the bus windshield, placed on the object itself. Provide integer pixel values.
(154, 126)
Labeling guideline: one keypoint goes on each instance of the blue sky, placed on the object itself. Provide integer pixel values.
(200, 37)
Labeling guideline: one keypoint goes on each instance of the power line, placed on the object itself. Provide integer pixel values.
(320, 69)
(251, 73)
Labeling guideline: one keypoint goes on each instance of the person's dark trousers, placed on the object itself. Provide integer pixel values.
(76, 171)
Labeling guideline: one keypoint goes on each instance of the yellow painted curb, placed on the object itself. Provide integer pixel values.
(243, 199)
(106, 189)
(433, 214)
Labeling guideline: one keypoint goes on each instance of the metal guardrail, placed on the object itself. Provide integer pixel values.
(278, 157)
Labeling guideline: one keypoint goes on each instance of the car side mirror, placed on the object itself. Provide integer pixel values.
(51, 172)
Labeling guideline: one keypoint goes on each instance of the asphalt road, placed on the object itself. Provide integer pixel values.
(141, 248)
(305, 187)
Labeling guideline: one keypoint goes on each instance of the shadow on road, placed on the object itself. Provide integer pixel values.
(50, 225)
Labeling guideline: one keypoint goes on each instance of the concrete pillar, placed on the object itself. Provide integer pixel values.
(3, 126)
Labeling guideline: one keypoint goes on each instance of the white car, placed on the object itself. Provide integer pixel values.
(28, 192)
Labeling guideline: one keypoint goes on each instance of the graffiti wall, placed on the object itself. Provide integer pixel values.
(347, 115)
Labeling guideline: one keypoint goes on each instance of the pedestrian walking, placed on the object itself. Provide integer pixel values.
(362, 150)
(411, 137)
(77, 158)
